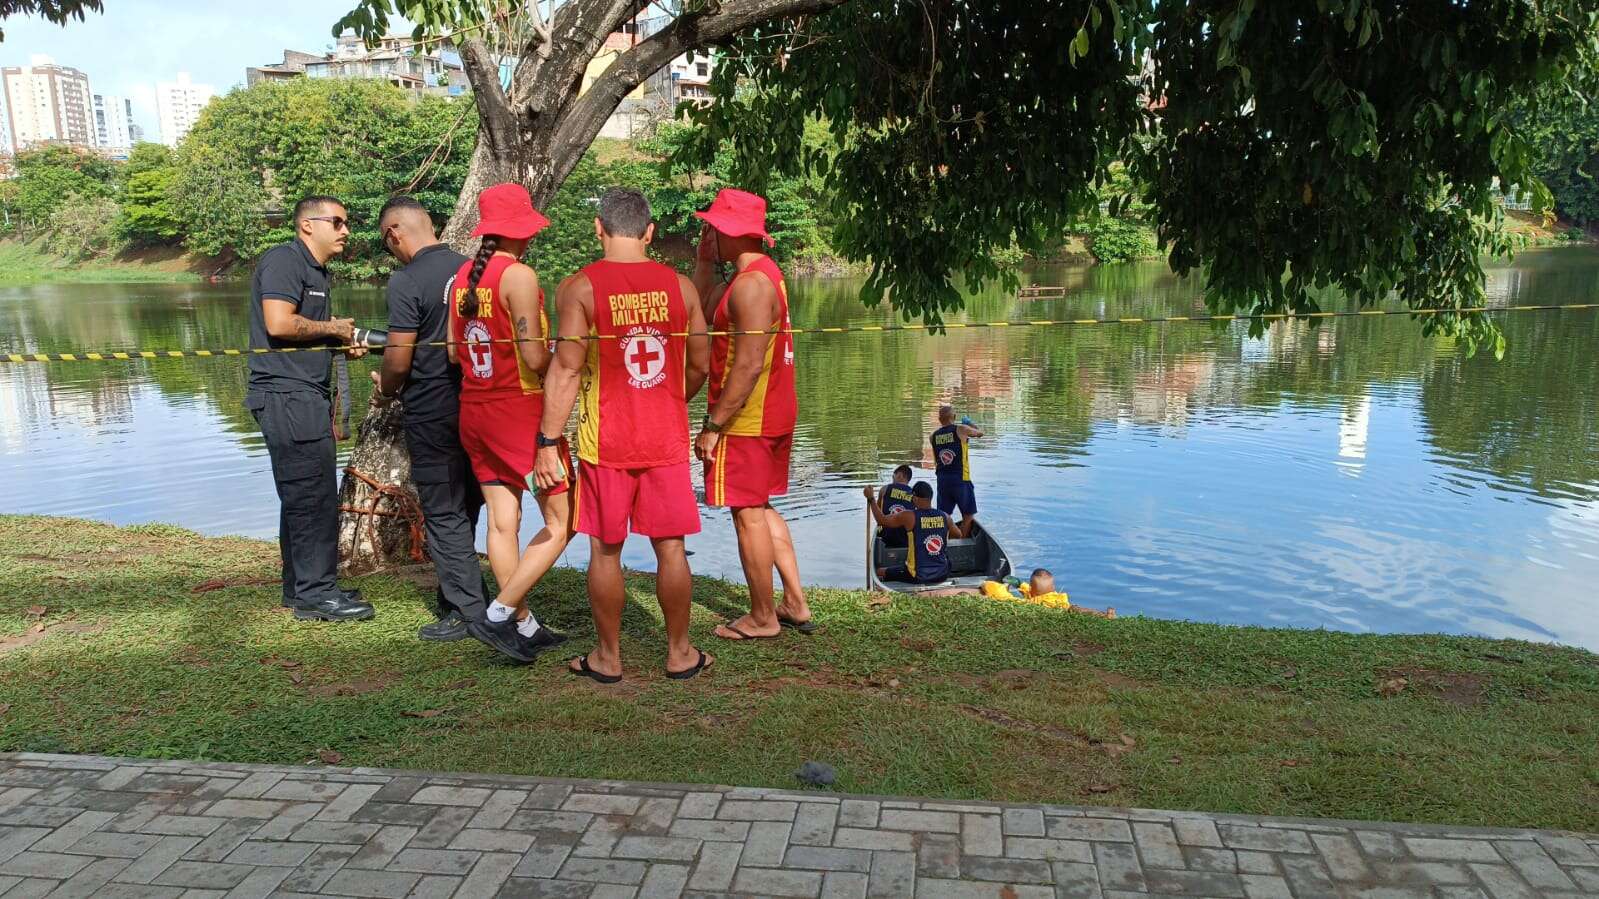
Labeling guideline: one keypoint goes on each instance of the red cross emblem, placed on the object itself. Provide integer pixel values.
(479, 352)
(644, 356)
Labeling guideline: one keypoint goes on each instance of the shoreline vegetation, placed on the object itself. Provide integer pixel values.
(960, 697)
(24, 263)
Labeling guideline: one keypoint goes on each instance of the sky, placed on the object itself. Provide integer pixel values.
(136, 43)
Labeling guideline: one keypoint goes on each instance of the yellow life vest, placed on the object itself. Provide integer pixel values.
(1054, 600)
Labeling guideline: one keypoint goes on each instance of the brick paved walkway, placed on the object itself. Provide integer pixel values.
(83, 826)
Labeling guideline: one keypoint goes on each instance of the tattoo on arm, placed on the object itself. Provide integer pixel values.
(305, 329)
(521, 326)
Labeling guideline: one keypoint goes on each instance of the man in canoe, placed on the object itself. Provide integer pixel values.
(928, 532)
(952, 463)
(897, 497)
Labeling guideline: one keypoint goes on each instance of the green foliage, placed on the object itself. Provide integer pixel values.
(257, 151)
(675, 191)
(1113, 239)
(1561, 123)
(1125, 236)
(83, 227)
(59, 12)
(148, 213)
(1290, 145)
(46, 177)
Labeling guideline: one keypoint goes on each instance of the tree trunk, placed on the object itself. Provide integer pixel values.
(528, 164)
(380, 519)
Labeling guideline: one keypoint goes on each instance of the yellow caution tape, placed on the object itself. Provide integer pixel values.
(126, 355)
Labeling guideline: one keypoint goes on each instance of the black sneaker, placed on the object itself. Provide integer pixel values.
(501, 636)
(448, 629)
(543, 639)
(334, 608)
(349, 596)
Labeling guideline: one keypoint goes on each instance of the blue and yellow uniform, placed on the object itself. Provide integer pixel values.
(927, 562)
(896, 497)
(953, 465)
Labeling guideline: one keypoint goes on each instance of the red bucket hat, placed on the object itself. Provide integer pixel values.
(738, 213)
(507, 210)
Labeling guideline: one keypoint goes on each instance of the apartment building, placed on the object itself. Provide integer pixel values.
(47, 103)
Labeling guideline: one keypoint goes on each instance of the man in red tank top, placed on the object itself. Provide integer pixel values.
(749, 426)
(624, 322)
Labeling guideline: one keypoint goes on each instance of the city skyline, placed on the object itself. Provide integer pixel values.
(137, 44)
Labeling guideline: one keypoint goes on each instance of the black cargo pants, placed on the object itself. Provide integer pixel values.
(451, 502)
(298, 427)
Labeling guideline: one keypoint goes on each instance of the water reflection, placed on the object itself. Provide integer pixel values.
(1352, 474)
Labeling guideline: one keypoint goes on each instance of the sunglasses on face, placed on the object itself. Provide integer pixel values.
(339, 222)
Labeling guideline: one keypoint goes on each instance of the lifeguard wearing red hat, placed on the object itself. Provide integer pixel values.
(497, 335)
(748, 431)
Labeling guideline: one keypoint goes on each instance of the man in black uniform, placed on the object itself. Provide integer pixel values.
(430, 387)
(289, 395)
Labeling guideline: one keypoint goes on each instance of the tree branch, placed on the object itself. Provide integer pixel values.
(483, 72)
(690, 31)
(577, 31)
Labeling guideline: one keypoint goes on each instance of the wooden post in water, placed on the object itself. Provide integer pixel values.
(869, 567)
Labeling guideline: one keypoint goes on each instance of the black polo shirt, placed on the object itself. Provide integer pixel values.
(418, 302)
(289, 272)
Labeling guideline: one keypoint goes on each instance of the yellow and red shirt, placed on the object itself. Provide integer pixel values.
(772, 407)
(489, 369)
(632, 411)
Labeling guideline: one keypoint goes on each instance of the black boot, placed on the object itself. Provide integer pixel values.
(447, 629)
(337, 607)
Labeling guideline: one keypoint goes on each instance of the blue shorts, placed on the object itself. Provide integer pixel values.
(959, 493)
(903, 574)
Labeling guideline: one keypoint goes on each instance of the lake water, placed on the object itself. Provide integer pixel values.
(1356, 476)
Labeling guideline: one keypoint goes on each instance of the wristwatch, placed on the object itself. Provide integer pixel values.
(544, 441)
(708, 425)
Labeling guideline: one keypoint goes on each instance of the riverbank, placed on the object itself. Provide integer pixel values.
(23, 263)
(113, 641)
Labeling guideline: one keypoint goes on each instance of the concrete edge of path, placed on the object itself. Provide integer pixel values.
(464, 778)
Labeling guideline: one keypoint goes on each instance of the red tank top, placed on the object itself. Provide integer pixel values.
(489, 370)
(772, 407)
(633, 412)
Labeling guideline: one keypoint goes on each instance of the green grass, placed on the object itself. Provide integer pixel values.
(949, 697)
(22, 263)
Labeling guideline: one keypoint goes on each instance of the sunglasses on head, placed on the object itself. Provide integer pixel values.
(339, 222)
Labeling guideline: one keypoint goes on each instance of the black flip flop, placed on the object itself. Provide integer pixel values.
(687, 673)
(806, 627)
(583, 670)
(743, 636)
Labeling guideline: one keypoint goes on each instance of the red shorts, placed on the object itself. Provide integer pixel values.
(747, 470)
(500, 437)
(652, 502)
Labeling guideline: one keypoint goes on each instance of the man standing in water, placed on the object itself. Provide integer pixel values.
(748, 430)
(623, 322)
(290, 397)
(418, 372)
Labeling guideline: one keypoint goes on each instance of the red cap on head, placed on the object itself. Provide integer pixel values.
(738, 213)
(507, 210)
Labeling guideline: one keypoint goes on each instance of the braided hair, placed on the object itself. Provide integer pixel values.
(479, 263)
